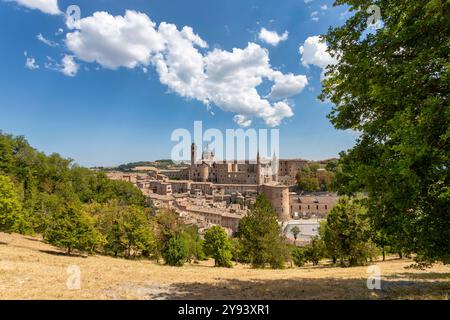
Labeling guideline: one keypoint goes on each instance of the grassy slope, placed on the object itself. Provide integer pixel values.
(31, 269)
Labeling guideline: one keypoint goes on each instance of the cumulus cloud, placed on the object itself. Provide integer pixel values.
(115, 41)
(286, 85)
(271, 37)
(46, 6)
(314, 52)
(227, 79)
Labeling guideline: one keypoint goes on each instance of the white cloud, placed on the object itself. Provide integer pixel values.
(242, 121)
(287, 85)
(115, 41)
(324, 7)
(48, 42)
(46, 6)
(227, 79)
(271, 37)
(314, 52)
(68, 66)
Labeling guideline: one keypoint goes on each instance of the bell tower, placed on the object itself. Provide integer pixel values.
(258, 169)
(193, 154)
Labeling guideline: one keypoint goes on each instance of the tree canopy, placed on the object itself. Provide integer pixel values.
(391, 85)
(261, 236)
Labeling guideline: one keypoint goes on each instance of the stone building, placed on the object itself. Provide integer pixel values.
(208, 169)
(288, 168)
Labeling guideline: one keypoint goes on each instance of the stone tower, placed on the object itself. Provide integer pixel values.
(193, 161)
(193, 154)
(258, 169)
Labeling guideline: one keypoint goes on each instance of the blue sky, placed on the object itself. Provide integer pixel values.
(102, 103)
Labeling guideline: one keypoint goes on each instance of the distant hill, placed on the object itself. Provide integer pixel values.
(140, 166)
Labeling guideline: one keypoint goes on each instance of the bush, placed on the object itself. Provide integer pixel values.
(315, 251)
(299, 257)
(175, 251)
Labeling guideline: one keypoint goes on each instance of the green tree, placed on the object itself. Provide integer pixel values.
(307, 181)
(168, 225)
(127, 229)
(298, 256)
(261, 236)
(218, 245)
(295, 232)
(315, 251)
(237, 251)
(175, 251)
(194, 244)
(11, 216)
(392, 85)
(347, 233)
(72, 228)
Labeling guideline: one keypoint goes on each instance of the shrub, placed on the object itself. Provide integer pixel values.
(175, 251)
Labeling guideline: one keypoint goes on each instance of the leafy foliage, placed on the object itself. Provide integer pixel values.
(218, 245)
(127, 229)
(261, 236)
(299, 257)
(11, 217)
(392, 86)
(175, 251)
(347, 233)
(311, 178)
(72, 228)
(194, 244)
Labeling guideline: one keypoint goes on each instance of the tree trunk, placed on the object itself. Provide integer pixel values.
(68, 251)
(384, 254)
(400, 254)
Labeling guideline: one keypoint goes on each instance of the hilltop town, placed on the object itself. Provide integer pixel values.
(210, 192)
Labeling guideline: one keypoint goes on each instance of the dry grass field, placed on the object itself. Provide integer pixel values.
(31, 269)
